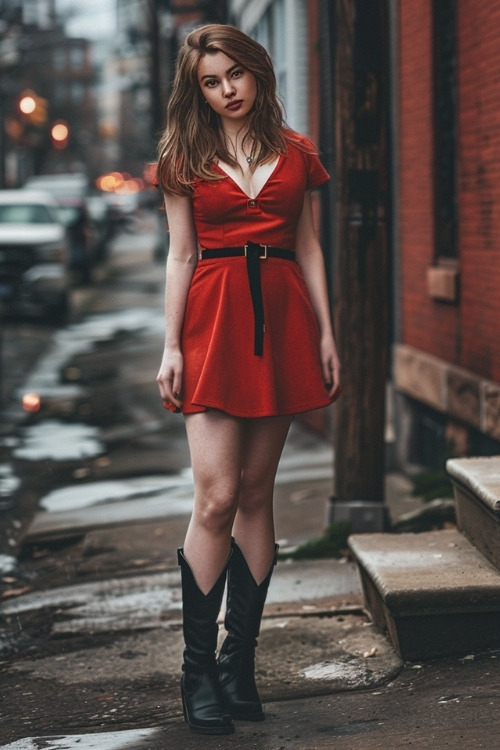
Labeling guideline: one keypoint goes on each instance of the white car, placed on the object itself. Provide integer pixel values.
(33, 253)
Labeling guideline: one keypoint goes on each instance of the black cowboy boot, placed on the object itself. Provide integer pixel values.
(202, 699)
(245, 604)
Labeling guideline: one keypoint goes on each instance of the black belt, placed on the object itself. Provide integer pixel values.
(253, 253)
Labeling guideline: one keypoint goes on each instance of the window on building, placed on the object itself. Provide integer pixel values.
(59, 58)
(77, 58)
(77, 92)
(282, 30)
(445, 119)
(59, 93)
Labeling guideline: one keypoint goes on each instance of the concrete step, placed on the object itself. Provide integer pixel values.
(476, 484)
(433, 592)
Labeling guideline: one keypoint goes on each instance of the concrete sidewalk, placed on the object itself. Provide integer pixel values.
(102, 672)
(328, 679)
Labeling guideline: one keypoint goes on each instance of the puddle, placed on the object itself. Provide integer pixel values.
(350, 671)
(75, 497)
(9, 441)
(75, 509)
(8, 564)
(59, 441)
(125, 740)
(332, 671)
(63, 442)
(148, 600)
(131, 603)
(83, 338)
(97, 493)
(9, 484)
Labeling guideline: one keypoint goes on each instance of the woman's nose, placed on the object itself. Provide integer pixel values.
(227, 88)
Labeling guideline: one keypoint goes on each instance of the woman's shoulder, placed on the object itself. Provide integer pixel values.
(300, 141)
(302, 150)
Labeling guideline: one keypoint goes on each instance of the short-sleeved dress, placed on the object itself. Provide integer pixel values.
(221, 370)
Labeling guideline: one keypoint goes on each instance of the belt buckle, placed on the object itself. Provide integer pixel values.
(261, 257)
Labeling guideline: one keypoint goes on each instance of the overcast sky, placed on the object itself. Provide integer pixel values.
(92, 19)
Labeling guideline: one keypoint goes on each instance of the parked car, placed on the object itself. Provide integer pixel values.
(70, 194)
(33, 253)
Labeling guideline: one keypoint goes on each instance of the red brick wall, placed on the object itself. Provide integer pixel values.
(427, 325)
(465, 334)
(479, 184)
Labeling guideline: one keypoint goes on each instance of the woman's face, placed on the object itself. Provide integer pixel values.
(229, 88)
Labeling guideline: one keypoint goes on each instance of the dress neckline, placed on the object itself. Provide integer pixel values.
(235, 182)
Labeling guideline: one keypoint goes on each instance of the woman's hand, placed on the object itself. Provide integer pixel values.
(169, 378)
(331, 366)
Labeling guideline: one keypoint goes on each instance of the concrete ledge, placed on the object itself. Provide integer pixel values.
(433, 592)
(448, 388)
(479, 475)
(476, 486)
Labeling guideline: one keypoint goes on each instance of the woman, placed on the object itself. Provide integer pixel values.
(248, 343)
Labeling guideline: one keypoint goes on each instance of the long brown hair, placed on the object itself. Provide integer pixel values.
(193, 138)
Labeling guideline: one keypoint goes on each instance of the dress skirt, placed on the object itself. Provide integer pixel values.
(221, 370)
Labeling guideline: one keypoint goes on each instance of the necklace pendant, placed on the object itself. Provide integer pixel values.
(249, 159)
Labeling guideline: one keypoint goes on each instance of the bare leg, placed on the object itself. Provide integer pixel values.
(253, 528)
(215, 442)
(234, 467)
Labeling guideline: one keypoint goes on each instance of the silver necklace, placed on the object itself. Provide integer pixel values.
(249, 159)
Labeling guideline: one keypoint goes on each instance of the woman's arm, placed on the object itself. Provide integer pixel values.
(310, 259)
(181, 262)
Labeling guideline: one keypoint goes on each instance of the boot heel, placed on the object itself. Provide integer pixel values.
(212, 723)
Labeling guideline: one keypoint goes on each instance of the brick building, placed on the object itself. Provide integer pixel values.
(446, 364)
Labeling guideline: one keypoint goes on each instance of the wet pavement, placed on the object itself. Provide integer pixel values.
(90, 633)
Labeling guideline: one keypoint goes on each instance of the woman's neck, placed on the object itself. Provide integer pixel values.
(239, 150)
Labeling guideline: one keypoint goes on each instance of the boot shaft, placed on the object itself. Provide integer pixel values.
(199, 616)
(245, 598)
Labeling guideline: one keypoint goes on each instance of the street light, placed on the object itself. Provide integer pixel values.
(33, 107)
(27, 104)
(59, 133)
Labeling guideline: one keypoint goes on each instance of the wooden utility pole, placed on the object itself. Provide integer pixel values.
(360, 235)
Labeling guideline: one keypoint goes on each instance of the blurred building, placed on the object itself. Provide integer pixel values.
(133, 65)
(37, 61)
(148, 36)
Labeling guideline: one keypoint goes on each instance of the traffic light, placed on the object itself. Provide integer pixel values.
(33, 107)
(59, 134)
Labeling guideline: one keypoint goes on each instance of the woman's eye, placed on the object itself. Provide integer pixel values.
(210, 84)
(237, 73)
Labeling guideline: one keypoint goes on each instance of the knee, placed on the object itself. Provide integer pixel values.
(216, 510)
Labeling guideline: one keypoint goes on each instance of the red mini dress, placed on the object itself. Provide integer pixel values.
(221, 370)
